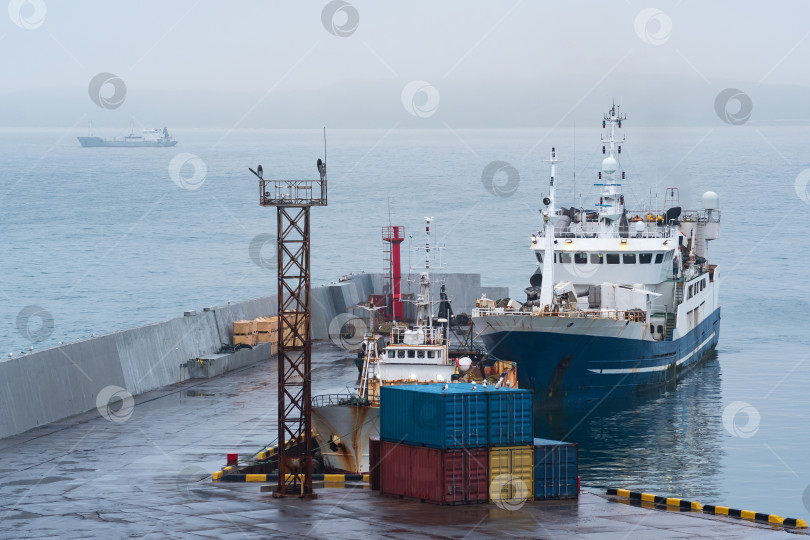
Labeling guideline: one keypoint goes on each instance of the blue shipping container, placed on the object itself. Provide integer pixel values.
(427, 415)
(555, 470)
(509, 416)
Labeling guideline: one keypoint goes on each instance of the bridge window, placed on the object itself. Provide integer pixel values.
(659, 257)
(430, 354)
(628, 258)
(597, 258)
(420, 354)
(581, 258)
(400, 354)
(645, 258)
(539, 255)
(411, 353)
(612, 258)
(565, 258)
(392, 354)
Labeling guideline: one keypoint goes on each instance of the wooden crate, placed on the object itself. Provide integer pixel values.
(244, 339)
(242, 327)
(290, 339)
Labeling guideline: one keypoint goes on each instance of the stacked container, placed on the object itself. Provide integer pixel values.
(454, 476)
(511, 453)
(374, 463)
(434, 442)
(555, 470)
(461, 443)
(436, 415)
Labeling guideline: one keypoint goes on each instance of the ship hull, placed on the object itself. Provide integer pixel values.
(349, 427)
(98, 142)
(576, 362)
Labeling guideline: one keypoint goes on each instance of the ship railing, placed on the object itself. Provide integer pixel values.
(653, 225)
(325, 400)
(426, 336)
(650, 231)
(292, 192)
(632, 315)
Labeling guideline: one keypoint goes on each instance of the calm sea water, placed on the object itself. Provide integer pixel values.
(104, 240)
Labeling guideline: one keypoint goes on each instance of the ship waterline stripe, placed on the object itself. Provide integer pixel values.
(620, 371)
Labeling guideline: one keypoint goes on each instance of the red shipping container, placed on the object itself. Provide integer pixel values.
(456, 476)
(374, 463)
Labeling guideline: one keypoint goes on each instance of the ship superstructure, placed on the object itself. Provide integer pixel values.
(418, 354)
(620, 299)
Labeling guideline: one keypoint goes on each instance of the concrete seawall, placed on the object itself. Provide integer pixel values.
(46, 386)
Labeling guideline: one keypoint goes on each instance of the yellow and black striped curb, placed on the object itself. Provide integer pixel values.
(709, 508)
(271, 451)
(754, 516)
(657, 499)
(225, 476)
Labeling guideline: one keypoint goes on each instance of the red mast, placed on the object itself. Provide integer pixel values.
(393, 235)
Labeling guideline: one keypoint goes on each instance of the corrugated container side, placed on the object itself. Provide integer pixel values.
(428, 416)
(509, 417)
(434, 475)
(511, 474)
(374, 463)
(555, 469)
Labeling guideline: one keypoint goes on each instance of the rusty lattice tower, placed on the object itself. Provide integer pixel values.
(293, 200)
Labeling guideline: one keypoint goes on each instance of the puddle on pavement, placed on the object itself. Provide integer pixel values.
(196, 393)
(35, 481)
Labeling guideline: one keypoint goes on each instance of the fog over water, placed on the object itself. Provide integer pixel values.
(417, 99)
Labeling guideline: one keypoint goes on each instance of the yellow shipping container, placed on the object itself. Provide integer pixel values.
(511, 474)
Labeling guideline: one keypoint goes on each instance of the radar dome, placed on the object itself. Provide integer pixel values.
(710, 200)
(609, 165)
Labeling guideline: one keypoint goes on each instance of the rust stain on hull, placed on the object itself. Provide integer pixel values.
(348, 428)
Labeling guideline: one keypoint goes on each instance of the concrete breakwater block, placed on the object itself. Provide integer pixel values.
(213, 365)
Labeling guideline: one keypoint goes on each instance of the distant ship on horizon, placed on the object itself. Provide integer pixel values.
(148, 137)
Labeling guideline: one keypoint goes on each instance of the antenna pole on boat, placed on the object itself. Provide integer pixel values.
(549, 219)
(427, 271)
(371, 349)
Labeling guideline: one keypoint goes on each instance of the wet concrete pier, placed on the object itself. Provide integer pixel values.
(147, 475)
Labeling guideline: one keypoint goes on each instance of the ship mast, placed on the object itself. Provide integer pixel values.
(549, 220)
(611, 201)
(425, 310)
(371, 351)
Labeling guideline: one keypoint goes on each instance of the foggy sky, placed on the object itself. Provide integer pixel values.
(494, 64)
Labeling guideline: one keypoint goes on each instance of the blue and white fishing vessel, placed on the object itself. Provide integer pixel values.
(621, 299)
